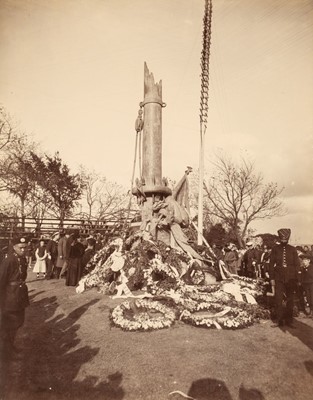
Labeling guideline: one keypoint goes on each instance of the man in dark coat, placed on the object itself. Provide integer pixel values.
(61, 259)
(284, 271)
(76, 252)
(52, 250)
(88, 254)
(13, 294)
(70, 237)
(250, 260)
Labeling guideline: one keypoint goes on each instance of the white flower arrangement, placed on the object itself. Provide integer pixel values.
(214, 287)
(219, 317)
(156, 265)
(218, 296)
(143, 320)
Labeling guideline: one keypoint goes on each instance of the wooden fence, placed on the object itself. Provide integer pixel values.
(13, 226)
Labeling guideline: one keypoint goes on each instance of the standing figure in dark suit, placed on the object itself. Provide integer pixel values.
(250, 260)
(61, 259)
(13, 295)
(52, 250)
(70, 236)
(284, 271)
(74, 270)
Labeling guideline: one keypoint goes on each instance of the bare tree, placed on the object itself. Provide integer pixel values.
(94, 184)
(237, 195)
(9, 137)
(112, 201)
(101, 198)
(6, 128)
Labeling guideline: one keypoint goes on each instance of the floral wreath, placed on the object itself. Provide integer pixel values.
(126, 318)
(194, 297)
(250, 285)
(220, 317)
(171, 277)
(214, 287)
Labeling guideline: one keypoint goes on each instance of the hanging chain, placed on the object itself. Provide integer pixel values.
(205, 57)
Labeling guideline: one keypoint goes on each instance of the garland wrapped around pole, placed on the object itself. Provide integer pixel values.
(204, 105)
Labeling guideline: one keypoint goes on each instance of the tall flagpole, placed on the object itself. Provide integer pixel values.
(204, 106)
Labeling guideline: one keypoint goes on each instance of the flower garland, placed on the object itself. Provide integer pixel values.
(99, 258)
(220, 317)
(251, 286)
(244, 279)
(216, 297)
(214, 287)
(198, 277)
(98, 277)
(170, 278)
(251, 283)
(162, 270)
(126, 318)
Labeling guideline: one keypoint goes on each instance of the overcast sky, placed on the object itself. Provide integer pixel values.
(71, 73)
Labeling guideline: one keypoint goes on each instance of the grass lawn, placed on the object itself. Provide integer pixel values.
(71, 351)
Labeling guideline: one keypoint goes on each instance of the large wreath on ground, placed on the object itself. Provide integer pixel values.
(142, 315)
(214, 315)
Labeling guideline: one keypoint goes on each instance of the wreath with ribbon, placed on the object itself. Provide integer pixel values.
(142, 315)
(214, 315)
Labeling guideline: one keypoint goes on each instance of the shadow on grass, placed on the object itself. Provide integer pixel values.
(33, 295)
(214, 389)
(209, 389)
(309, 366)
(52, 358)
(302, 332)
(250, 394)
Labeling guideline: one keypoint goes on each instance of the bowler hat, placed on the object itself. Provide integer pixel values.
(306, 256)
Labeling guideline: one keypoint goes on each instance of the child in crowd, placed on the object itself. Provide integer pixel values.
(29, 254)
(41, 255)
(307, 279)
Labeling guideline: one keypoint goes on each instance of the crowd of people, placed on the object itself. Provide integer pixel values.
(64, 255)
(287, 269)
(254, 260)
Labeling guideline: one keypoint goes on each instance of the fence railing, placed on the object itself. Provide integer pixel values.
(12, 226)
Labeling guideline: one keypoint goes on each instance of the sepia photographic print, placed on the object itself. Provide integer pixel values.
(156, 199)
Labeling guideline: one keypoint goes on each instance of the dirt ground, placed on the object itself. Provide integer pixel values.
(71, 351)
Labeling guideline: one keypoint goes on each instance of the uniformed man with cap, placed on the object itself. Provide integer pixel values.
(13, 294)
(284, 268)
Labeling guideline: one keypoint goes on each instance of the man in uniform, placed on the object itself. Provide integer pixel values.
(284, 270)
(13, 295)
